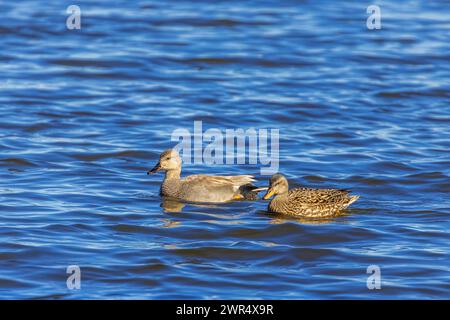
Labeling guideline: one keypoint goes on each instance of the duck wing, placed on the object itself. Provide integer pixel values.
(234, 182)
(318, 196)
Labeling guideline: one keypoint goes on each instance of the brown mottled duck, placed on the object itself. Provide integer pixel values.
(306, 202)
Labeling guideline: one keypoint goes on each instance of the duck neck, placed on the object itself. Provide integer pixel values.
(281, 195)
(171, 183)
(173, 174)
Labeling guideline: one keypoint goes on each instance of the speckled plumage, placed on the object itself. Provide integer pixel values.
(201, 187)
(306, 202)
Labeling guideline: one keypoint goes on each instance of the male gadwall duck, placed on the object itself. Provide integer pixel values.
(306, 202)
(201, 187)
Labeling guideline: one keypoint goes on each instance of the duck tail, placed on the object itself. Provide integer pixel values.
(247, 192)
(352, 199)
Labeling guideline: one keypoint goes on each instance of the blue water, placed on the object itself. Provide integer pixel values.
(85, 113)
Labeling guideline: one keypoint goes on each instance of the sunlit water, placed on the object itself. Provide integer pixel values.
(84, 113)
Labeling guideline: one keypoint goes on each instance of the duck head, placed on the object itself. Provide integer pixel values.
(168, 160)
(278, 185)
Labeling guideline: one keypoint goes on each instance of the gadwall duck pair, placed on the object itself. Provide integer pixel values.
(304, 202)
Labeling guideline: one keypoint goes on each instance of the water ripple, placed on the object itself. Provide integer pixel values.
(85, 113)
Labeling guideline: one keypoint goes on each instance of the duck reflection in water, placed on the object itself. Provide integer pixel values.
(173, 205)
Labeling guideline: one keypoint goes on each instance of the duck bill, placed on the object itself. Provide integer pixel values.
(155, 169)
(268, 194)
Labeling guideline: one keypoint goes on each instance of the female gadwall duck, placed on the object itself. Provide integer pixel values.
(306, 202)
(201, 187)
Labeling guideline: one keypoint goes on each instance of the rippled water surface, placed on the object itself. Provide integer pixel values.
(84, 113)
